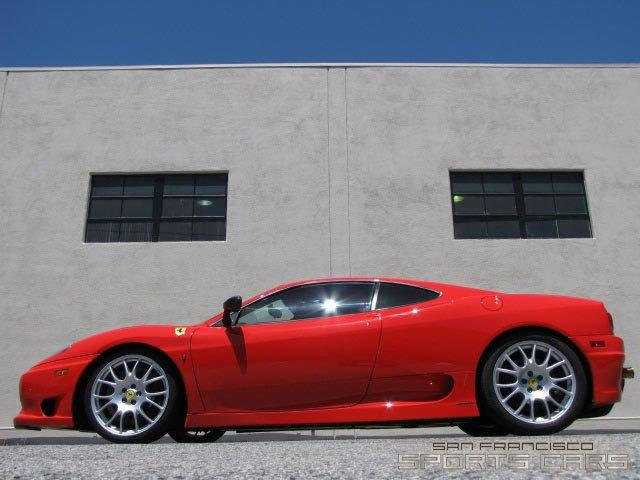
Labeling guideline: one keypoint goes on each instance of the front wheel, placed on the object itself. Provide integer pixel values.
(533, 384)
(131, 397)
(205, 435)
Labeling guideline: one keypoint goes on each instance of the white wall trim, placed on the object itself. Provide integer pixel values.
(322, 65)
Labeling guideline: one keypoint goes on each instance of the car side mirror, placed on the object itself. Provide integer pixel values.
(230, 305)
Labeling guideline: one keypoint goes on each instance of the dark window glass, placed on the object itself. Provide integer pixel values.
(210, 207)
(519, 205)
(103, 231)
(139, 186)
(539, 205)
(574, 228)
(570, 204)
(214, 229)
(542, 228)
(178, 185)
(137, 207)
(105, 208)
(397, 295)
(537, 183)
(152, 208)
(500, 204)
(309, 301)
(106, 186)
(470, 228)
(211, 185)
(136, 231)
(175, 231)
(466, 182)
(503, 228)
(568, 182)
(177, 207)
(468, 204)
(497, 182)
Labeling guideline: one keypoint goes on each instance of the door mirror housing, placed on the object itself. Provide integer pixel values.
(230, 305)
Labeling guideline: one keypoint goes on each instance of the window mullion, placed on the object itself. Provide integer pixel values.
(157, 206)
(520, 209)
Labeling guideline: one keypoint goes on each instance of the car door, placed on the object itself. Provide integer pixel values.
(418, 333)
(309, 346)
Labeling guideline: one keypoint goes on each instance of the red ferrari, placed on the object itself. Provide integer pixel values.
(340, 352)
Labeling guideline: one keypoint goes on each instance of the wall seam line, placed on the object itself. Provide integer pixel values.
(4, 94)
(329, 179)
(346, 134)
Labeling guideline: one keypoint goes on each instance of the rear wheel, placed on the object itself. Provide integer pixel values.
(205, 435)
(533, 384)
(131, 397)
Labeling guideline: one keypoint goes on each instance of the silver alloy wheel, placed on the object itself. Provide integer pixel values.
(534, 382)
(129, 395)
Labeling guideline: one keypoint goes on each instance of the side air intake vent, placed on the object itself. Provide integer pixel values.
(48, 406)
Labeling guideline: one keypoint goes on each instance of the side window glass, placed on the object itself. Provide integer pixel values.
(397, 295)
(274, 310)
(309, 301)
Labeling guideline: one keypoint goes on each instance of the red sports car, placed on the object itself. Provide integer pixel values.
(340, 352)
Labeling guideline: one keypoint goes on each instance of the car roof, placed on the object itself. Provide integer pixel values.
(435, 286)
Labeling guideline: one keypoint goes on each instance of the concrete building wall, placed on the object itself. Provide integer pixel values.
(332, 171)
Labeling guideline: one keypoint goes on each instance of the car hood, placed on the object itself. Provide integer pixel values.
(165, 337)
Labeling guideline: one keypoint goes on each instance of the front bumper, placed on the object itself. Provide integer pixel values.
(605, 355)
(46, 393)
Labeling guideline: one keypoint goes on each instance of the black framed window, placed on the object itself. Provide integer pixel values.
(519, 205)
(157, 208)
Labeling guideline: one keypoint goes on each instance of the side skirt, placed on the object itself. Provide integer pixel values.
(459, 404)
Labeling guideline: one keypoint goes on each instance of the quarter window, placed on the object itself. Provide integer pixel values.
(157, 208)
(519, 205)
(309, 301)
(396, 295)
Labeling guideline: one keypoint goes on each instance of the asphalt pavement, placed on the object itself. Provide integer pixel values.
(589, 449)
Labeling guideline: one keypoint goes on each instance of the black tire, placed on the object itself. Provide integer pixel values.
(597, 411)
(165, 421)
(496, 412)
(205, 435)
(482, 428)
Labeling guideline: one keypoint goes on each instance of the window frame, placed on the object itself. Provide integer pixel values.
(521, 215)
(157, 197)
(372, 300)
(373, 285)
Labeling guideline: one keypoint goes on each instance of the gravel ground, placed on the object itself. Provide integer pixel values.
(302, 456)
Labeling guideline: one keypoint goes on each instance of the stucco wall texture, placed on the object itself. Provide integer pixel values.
(332, 171)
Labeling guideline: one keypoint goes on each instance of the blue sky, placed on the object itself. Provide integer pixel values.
(133, 32)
